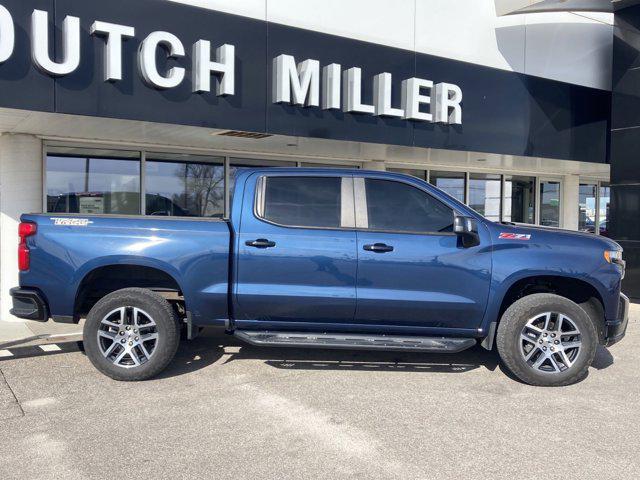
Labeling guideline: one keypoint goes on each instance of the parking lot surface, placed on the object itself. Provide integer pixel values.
(229, 411)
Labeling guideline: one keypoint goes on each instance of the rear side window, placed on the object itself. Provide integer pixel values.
(302, 201)
(399, 207)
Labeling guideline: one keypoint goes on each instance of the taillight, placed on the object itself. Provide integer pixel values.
(26, 229)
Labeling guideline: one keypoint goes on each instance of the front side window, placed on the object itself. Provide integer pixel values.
(302, 201)
(92, 185)
(398, 207)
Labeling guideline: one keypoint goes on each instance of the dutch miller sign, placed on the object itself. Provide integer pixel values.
(305, 84)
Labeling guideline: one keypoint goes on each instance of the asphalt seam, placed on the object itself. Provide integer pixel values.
(15, 398)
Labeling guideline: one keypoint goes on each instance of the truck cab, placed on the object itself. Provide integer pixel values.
(368, 252)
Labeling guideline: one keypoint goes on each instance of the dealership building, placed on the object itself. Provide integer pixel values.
(528, 111)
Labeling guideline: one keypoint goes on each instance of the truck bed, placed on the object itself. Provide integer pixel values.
(193, 252)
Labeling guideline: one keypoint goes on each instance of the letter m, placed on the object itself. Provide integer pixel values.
(298, 85)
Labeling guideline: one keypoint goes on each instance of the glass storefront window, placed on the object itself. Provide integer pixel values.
(485, 195)
(587, 207)
(92, 185)
(109, 181)
(550, 203)
(192, 188)
(603, 208)
(519, 199)
(449, 182)
(325, 165)
(421, 174)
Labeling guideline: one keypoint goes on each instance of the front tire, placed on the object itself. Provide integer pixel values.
(131, 334)
(546, 340)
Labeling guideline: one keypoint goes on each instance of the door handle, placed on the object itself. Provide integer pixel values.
(260, 243)
(378, 248)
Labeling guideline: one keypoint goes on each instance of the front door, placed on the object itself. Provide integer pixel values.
(412, 269)
(296, 261)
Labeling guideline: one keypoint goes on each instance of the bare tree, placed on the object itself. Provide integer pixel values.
(203, 189)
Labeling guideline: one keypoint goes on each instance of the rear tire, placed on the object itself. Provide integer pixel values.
(131, 334)
(546, 340)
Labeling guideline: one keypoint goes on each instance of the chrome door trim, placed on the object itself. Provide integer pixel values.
(347, 203)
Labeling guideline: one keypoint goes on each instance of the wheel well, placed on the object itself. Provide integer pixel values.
(575, 290)
(104, 280)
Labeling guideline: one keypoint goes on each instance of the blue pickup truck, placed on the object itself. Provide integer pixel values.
(326, 258)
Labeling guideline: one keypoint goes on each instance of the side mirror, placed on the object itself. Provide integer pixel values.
(467, 229)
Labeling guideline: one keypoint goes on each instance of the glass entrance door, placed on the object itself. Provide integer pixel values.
(587, 209)
(550, 203)
(519, 199)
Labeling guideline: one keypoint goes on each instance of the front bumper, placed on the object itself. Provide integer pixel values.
(28, 304)
(616, 329)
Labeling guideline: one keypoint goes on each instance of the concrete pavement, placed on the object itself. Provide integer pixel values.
(229, 411)
(13, 332)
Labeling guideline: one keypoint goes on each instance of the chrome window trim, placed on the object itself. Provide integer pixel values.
(407, 232)
(360, 193)
(347, 203)
(260, 187)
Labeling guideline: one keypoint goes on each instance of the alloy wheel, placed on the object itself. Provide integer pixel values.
(127, 337)
(550, 342)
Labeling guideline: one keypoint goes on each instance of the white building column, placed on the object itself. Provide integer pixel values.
(569, 201)
(20, 192)
(374, 165)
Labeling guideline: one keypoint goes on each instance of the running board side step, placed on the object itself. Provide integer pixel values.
(355, 341)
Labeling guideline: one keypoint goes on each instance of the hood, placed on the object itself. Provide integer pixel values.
(548, 234)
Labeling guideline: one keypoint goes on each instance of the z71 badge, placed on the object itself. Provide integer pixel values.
(515, 236)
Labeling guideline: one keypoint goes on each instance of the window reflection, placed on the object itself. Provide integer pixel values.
(421, 174)
(185, 188)
(519, 199)
(550, 204)
(484, 195)
(92, 185)
(325, 165)
(449, 182)
(108, 181)
(605, 199)
(587, 208)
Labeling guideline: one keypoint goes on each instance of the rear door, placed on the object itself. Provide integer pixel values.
(296, 261)
(412, 268)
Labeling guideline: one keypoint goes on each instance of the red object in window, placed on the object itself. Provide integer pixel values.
(25, 229)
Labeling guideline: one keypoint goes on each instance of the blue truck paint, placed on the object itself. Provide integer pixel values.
(193, 252)
(320, 279)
